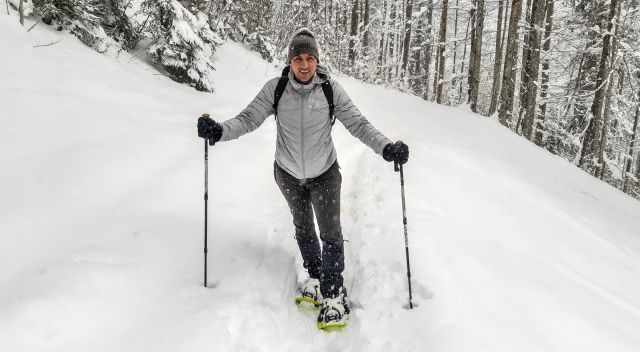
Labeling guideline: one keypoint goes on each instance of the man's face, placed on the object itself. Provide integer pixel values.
(304, 67)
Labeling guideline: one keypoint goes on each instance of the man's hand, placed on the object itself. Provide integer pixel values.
(209, 129)
(397, 152)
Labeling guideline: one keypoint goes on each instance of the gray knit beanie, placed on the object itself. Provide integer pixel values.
(303, 42)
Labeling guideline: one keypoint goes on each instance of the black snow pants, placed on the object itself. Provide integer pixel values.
(322, 196)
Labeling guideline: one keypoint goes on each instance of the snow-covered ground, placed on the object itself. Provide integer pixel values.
(513, 249)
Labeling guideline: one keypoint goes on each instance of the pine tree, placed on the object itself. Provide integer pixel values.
(183, 42)
(244, 21)
(79, 17)
(117, 24)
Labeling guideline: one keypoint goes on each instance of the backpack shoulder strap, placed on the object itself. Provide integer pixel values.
(282, 84)
(327, 89)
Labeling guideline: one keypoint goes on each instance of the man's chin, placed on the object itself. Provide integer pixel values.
(304, 78)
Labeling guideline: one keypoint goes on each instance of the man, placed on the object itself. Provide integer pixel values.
(306, 168)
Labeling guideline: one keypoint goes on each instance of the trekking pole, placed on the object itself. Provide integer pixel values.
(398, 167)
(206, 200)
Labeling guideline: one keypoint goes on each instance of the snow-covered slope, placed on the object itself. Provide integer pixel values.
(101, 186)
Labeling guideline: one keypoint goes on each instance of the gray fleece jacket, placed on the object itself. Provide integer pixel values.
(304, 146)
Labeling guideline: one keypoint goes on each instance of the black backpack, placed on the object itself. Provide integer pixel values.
(326, 89)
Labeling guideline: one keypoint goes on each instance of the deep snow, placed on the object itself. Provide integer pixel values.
(513, 249)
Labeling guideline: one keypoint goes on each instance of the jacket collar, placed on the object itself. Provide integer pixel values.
(322, 75)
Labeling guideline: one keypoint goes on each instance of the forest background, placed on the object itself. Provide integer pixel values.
(563, 74)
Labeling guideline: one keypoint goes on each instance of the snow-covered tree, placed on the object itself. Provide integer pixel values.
(245, 21)
(116, 22)
(80, 17)
(183, 43)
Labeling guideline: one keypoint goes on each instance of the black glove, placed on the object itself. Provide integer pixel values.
(397, 152)
(209, 129)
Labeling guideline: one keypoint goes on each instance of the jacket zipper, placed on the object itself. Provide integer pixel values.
(302, 105)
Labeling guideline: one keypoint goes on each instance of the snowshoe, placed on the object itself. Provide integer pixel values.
(309, 294)
(334, 312)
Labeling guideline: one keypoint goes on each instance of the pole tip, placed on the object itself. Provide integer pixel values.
(410, 305)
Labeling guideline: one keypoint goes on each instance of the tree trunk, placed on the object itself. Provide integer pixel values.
(345, 30)
(336, 19)
(415, 67)
(472, 20)
(524, 74)
(475, 57)
(391, 41)
(497, 65)
(353, 34)
(605, 124)
(638, 167)
(538, 11)
(630, 157)
(510, 66)
(21, 11)
(407, 36)
(324, 9)
(381, 55)
(505, 27)
(593, 143)
(462, 62)
(455, 44)
(585, 86)
(544, 87)
(399, 37)
(428, 50)
(441, 48)
(613, 81)
(365, 40)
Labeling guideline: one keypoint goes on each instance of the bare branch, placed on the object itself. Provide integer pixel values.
(33, 26)
(48, 44)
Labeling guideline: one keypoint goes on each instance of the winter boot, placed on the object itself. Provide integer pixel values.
(334, 312)
(310, 293)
